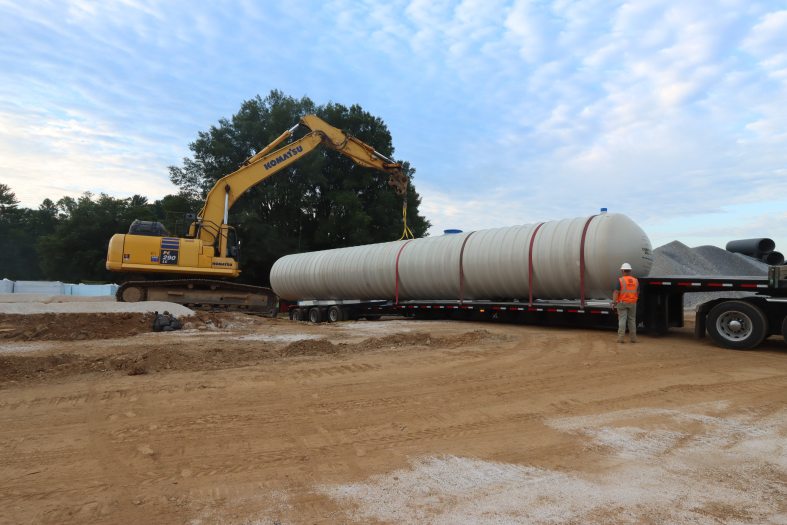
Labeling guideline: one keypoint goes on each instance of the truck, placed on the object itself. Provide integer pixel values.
(573, 260)
(194, 270)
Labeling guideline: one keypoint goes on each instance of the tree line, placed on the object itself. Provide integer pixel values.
(322, 201)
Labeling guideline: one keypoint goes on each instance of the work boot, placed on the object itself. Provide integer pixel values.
(634, 339)
(621, 340)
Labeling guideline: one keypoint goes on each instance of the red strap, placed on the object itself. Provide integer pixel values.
(582, 261)
(462, 270)
(398, 254)
(530, 264)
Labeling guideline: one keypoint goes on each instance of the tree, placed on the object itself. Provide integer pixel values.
(323, 201)
(19, 232)
(77, 247)
(8, 201)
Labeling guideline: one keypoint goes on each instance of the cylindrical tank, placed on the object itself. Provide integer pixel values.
(752, 247)
(486, 264)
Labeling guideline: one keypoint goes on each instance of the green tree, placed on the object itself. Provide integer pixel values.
(77, 247)
(322, 201)
(13, 236)
(20, 229)
(8, 200)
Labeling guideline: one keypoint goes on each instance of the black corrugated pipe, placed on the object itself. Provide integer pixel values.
(773, 259)
(756, 248)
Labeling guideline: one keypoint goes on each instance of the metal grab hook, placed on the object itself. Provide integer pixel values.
(406, 232)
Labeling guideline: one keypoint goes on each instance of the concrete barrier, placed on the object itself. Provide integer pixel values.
(52, 288)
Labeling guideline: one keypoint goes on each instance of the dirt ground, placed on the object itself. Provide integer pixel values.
(246, 420)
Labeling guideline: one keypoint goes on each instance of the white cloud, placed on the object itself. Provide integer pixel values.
(525, 30)
(512, 110)
(767, 43)
(42, 157)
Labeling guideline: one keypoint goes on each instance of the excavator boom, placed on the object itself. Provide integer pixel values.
(266, 162)
(210, 248)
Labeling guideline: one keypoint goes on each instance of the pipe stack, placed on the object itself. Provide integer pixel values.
(761, 248)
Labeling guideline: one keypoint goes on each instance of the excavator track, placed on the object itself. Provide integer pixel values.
(203, 293)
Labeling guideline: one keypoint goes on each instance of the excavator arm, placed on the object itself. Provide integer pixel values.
(211, 221)
(209, 252)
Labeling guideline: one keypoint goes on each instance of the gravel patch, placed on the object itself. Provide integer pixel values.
(658, 472)
(376, 327)
(88, 307)
(281, 338)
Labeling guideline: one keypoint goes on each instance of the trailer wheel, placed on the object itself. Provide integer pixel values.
(315, 315)
(784, 329)
(296, 314)
(335, 314)
(737, 324)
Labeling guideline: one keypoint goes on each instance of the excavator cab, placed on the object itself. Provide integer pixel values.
(151, 228)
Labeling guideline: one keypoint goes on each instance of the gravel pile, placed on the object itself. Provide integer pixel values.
(676, 258)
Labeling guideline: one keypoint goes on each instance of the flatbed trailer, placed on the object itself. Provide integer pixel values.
(731, 322)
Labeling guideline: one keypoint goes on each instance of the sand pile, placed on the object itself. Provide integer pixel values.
(676, 258)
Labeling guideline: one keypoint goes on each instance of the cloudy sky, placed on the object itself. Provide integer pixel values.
(672, 112)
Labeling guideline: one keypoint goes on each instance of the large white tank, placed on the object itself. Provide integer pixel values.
(491, 264)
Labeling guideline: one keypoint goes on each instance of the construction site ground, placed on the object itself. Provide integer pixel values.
(240, 419)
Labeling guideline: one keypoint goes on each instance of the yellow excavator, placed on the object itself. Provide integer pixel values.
(209, 252)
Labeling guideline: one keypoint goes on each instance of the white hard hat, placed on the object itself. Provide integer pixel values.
(625, 266)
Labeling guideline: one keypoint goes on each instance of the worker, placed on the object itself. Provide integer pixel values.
(624, 299)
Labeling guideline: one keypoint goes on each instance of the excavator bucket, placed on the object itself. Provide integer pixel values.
(398, 181)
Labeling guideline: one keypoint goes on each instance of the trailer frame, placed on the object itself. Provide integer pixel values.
(732, 322)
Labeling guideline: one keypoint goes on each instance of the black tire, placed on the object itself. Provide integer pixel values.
(737, 324)
(784, 329)
(375, 317)
(315, 315)
(335, 314)
(296, 314)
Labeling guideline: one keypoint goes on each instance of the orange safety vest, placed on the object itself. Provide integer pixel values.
(629, 289)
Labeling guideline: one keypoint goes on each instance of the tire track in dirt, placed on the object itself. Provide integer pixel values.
(203, 443)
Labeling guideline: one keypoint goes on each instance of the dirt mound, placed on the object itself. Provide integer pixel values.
(181, 355)
(26, 367)
(424, 339)
(306, 347)
(71, 327)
